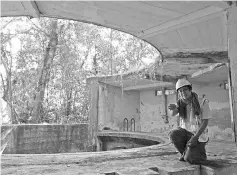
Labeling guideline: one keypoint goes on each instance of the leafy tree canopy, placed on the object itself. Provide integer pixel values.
(45, 63)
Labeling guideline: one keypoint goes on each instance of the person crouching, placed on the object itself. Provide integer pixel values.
(191, 135)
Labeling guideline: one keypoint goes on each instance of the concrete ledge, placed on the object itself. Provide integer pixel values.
(110, 140)
(138, 135)
(219, 167)
(157, 159)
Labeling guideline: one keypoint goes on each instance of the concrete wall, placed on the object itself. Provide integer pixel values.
(147, 110)
(38, 139)
(220, 124)
(152, 110)
(115, 106)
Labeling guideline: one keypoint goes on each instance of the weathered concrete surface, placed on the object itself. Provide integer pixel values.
(39, 139)
(148, 111)
(204, 57)
(219, 125)
(114, 105)
(139, 135)
(93, 112)
(110, 140)
(232, 54)
(152, 112)
(114, 143)
(169, 26)
(162, 158)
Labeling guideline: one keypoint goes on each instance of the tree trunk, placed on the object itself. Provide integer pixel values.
(112, 64)
(95, 64)
(7, 93)
(69, 102)
(44, 75)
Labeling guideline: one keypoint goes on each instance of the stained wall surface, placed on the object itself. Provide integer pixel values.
(148, 110)
(39, 139)
(152, 112)
(220, 124)
(115, 106)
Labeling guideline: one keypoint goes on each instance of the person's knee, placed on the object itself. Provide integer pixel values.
(188, 156)
(194, 155)
(189, 159)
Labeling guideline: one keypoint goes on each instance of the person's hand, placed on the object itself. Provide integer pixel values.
(193, 141)
(172, 107)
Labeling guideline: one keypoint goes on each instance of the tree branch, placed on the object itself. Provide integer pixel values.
(39, 29)
(13, 19)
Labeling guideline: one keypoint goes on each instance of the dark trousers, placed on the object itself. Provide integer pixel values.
(193, 155)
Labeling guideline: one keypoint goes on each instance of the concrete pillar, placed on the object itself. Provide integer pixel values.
(164, 111)
(232, 55)
(93, 114)
(1, 107)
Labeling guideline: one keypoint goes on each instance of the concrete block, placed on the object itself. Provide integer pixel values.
(227, 170)
(193, 170)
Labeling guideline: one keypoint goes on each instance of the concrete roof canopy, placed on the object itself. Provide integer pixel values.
(183, 29)
(185, 26)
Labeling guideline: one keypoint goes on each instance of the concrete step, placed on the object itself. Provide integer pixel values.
(157, 171)
(220, 168)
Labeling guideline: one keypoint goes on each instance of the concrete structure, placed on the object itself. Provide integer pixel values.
(171, 27)
(131, 104)
(157, 160)
(213, 82)
(44, 139)
(179, 30)
(204, 30)
(127, 140)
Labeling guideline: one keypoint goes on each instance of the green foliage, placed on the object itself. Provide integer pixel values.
(83, 50)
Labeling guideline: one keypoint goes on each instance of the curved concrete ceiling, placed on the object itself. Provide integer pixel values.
(172, 27)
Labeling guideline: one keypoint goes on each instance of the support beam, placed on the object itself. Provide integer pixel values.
(192, 18)
(211, 57)
(211, 68)
(164, 100)
(31, 8)
(169, 78)
(189, 60)
(149, 86)
(232, 55)
(231, 102)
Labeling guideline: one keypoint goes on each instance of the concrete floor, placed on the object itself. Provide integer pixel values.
(157, 159)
